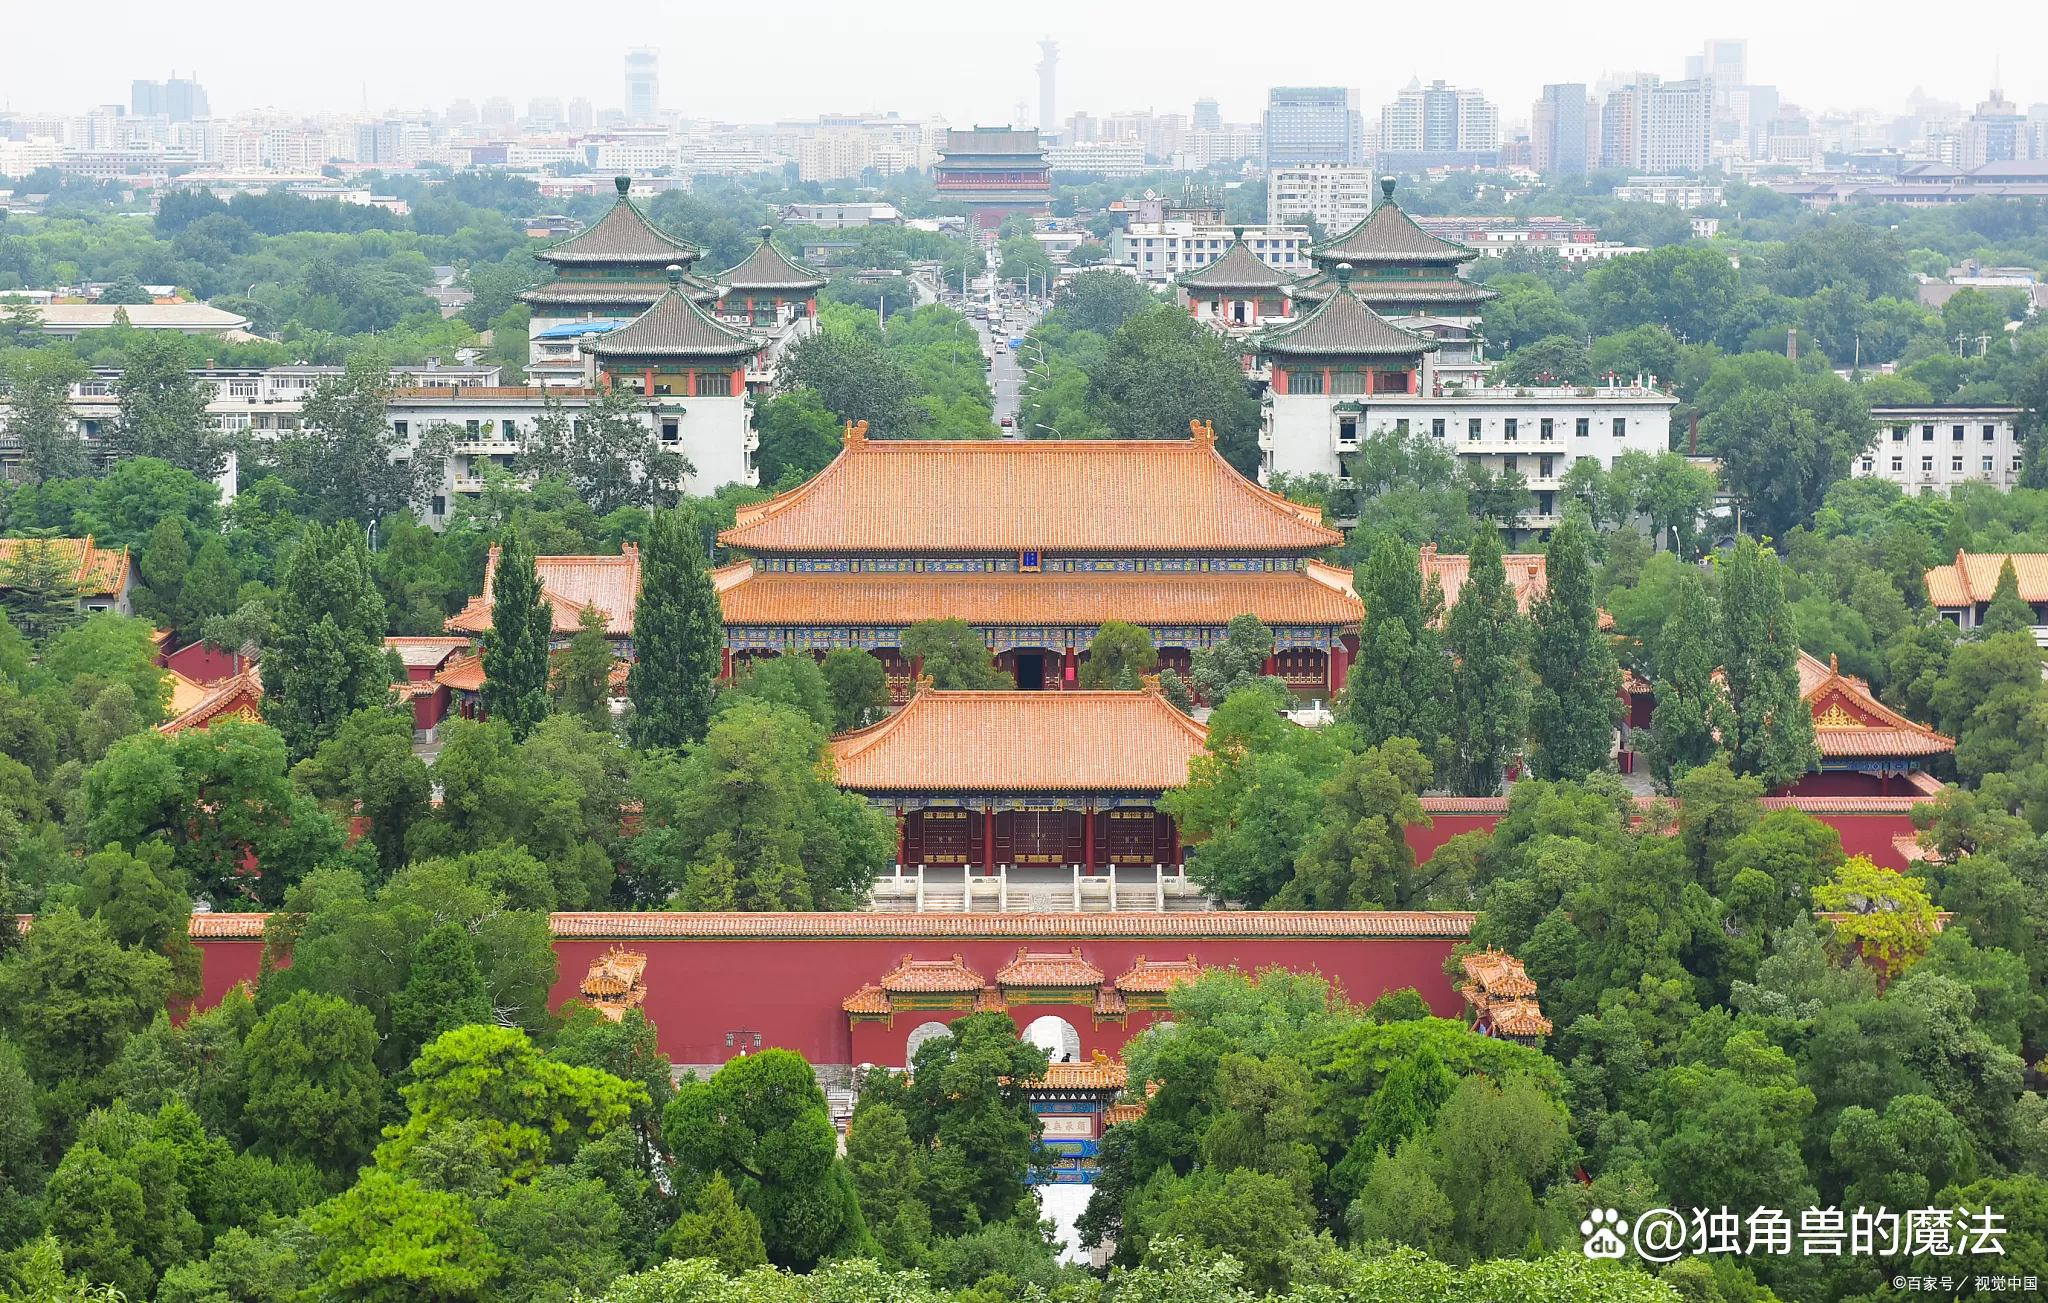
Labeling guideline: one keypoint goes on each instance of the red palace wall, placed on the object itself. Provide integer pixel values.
(789, 988)
(1868, 825)
(790, 991)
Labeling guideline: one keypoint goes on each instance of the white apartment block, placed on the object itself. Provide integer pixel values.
(1335, 195)
(18, 158)
(1927, 450)
(1159, 251)
(1114, 159)
(1539, 433)
(487, 423)
(832, 155)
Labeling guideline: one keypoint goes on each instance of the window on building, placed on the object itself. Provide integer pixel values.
(508, 429)
(1546, 467)
(1585, 427)
(1898, 434)
(1509, 463)
(1956, 434)
(2019, 463)
(1927, 464)
(471, 426)
(1510, 428)
(1927, 434)
(671, 431)
(400, 428)
(1546, 504)
(1869, 464)
(1472, 429)
(1436, 428)
(1898, 463)
(440, 505)
(1304, 382)
(714, 384)
(1987, 463)
(1347, 382)
(1955, 463)
(1347, 430)
(1990, 433)
(1621, 427)
(1548, 429)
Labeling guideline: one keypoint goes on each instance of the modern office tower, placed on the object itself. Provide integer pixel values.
(1564, 133)
(643, 83)
(1048, 66)
(1313, 124)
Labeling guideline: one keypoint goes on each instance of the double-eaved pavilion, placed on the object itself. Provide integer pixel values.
(1237, 289)
(767, 287)
(1036, 544)
(1400, 269)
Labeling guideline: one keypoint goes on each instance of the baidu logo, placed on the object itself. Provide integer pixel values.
(1605, 1230)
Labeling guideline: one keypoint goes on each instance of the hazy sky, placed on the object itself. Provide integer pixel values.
(973, 61)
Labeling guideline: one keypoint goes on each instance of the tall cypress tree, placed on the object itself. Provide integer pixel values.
(1691, 704)
(2006, 612)
(1773, 733)
(444, 989)
(678, 629)
(1401, 683)
(1485, 634)
(1577, 701)
(516, 648)
(325, 659)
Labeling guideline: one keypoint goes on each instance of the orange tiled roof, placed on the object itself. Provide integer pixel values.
(991, 1001)
(1061, 496)
(462, 674)
(1099, 1074)
(1154, 976)
(1022, 741)
(1498, 974)
(93, 569)
(1973, 577)
(1151, 600)
(226, 927)
(652, 925)
(1848, 721)
(932, 975)
(429, 651)
(869, 999)
(240, 697)
(1519, 1018)
(1109, 1002)
(1117, 1113)
(570, 583)
(1029, 969)
(185, 693)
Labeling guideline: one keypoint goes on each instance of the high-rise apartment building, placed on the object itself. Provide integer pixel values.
(1651, 125)
(1313, 124)
(499, 114)
(1438, 125)
(180, 99)
(643, 83)
(581, 118)
(1995, 133)
(1564, 131)
(1208, 117)
(544, 113)
(462, 113)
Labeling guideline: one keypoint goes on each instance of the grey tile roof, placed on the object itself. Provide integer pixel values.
(623, 235)
(1237, 269)
(675, 327)
(635, 295)
(766, 268)
(1387, 235)
(1341, 326)
(1437, 290)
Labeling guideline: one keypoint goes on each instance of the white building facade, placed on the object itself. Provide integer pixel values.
(1159, 251)
(1334, 194)
(1927, 450)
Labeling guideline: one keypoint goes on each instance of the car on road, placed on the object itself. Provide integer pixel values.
(1002, 347)
(1009, 423)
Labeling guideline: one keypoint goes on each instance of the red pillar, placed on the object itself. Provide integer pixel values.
(1071, 675)
(1371, 379)
(1272, 665)
(725, 663)
(1337, 668)
(1088, 840)
(647, 379)
(988, 839)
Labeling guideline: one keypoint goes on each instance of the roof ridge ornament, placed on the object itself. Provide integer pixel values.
(766, 231)
(624, 183)
(1204, 432)
(856, 432)
(1387, 188)
(675, 275)
(1344, 275)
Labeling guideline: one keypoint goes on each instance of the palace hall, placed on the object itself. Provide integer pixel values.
(1036, 544)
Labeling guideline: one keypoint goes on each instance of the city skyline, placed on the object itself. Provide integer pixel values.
(985, 63)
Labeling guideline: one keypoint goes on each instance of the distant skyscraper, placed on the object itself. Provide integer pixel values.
(1657, 126)
(1048, 65)
(643, 83)
(1437, 124)
(1563, 133)
(580, 116)
(1313, 124)
(544, 113)
(461, 113)
(1727, 62)
(498, 112)
(1207, 116)
(179, 99)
